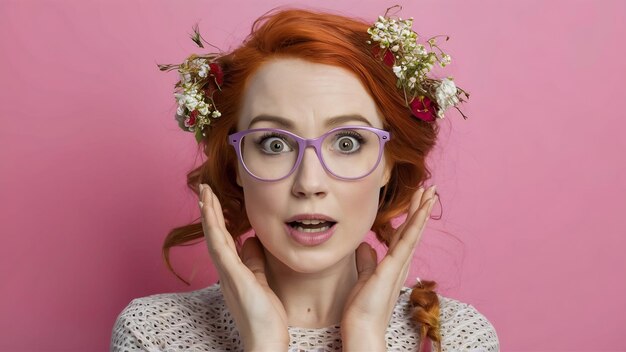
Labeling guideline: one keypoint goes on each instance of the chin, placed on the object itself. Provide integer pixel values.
(305, 261)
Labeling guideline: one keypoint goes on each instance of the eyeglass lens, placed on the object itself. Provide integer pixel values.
(348, 153)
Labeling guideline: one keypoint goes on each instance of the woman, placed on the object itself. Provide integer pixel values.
(316, 131)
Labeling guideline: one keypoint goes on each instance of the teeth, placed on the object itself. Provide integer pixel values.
(310, 222)
(301, 229)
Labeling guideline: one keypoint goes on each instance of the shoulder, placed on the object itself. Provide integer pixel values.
(465, 328)
(462, 326)
(178, 321)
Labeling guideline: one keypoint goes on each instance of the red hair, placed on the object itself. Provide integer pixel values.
(333, 40)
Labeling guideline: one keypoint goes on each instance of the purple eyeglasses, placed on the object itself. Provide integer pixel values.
(346, 152)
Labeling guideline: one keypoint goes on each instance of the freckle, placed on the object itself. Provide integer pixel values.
(308, 309)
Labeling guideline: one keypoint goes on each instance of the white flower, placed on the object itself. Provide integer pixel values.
(197, 63)
(445, 60)
(204, 70)
(191, 102)
(413, 61)
(185, 77)
(446, 95)
(447, 87)
(180, 98)
(216, 114)
(203, 108)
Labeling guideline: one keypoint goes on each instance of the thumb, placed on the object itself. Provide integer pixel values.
(366, 261)
(253, 257)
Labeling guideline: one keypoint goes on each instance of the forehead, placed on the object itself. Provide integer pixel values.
(306, 94)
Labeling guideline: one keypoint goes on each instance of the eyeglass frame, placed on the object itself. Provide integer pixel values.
(234, 139)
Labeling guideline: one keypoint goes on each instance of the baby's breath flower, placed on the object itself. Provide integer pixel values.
(445, 60)
(203, 108)
(200, 77)
(204, 70)
(411, 62)
(446, 95)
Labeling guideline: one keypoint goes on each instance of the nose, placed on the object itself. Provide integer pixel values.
(310, 176)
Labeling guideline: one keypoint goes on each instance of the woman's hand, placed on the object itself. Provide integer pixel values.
(371, 302)
(257, 311)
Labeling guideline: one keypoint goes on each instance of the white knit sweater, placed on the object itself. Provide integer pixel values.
(200, 321)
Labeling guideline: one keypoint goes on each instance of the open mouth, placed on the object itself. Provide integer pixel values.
(311, 226)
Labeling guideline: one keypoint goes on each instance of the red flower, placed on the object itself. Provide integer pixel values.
(388, 59)
(217, 72)
(192, 118)
(423, 109)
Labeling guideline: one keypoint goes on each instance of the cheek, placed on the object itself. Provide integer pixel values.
(360, 202)
(263, 201)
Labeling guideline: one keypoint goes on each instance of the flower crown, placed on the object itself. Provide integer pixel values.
(398, 48)
(200, 78)
(428, 98)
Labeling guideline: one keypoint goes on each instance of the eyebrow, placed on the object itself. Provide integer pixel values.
(288, 124)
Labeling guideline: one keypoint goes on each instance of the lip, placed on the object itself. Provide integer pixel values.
(308, 238)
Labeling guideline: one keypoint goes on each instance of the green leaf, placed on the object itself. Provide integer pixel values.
(198, 135)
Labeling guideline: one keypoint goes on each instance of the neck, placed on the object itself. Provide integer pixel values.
(312, 300)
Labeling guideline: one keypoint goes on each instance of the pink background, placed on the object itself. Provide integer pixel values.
(93, 164)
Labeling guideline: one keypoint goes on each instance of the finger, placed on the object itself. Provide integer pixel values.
(419, 199)
(366, 261)
(253, 257)
(214, 234)
(397, 263)
(218, 208)
(412, 232)
(210, 223)
(205, 196)
(215, 213)
(416, 200)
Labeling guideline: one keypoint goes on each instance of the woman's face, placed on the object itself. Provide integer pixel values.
(307, 95)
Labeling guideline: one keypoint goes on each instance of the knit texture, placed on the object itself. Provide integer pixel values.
(200, 321)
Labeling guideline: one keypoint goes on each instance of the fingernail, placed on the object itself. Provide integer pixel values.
(200, 204)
